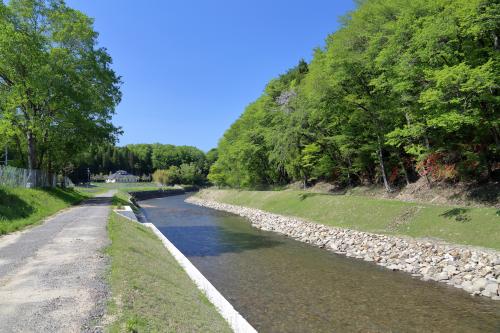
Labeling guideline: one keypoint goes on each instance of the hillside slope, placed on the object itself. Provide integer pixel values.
(478, 226)
(20, 207)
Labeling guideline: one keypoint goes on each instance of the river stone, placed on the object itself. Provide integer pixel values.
(450, 269)
(473, 270)
(491, 288)
(467, 286)
(479, 284)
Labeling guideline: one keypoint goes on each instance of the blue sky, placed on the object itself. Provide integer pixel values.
(191, 67)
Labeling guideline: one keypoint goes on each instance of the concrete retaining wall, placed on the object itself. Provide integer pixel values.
(146, 195)
(227, 311)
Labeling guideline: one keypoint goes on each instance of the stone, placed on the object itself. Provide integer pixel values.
(474, 270)
(468, 277)
(491, 288)
(467, 286)
(393, 267)
(479, 284)
(450, 269)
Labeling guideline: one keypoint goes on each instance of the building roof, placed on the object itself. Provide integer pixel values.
(120, 174)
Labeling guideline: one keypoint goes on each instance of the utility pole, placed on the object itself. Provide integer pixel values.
(6, 156)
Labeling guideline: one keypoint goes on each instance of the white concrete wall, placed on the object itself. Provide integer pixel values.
(227, 311)
(235, 320)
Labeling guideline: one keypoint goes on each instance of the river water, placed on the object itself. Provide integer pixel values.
(282, 285)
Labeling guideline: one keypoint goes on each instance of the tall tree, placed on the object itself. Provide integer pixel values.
(57, 90)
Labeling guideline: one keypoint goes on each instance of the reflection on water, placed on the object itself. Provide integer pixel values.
(281, 285)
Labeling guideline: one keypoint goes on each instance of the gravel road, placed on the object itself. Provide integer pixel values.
(52, 277)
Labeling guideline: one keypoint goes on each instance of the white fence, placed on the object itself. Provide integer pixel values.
(17, 177)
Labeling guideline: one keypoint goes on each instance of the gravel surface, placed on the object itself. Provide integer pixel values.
(52, 277)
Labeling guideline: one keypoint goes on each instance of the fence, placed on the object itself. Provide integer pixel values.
(17, 177)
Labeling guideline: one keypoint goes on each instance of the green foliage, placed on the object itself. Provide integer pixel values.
(187, 174)
(400, 81)
(57, 89)
(143, 159)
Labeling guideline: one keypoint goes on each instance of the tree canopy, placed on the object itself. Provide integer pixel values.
(144, 160)
(57, 89)
(403, 89)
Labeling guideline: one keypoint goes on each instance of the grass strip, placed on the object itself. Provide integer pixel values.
(151, 292)
(461, 225)
(21, 207)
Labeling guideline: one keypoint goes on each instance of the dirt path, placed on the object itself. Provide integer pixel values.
(52, 276)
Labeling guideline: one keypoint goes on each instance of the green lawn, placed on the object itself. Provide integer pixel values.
(464, 225)
(150, 291)
(20, 207)
(95, 188)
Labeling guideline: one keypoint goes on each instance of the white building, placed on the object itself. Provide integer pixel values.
(121, 176)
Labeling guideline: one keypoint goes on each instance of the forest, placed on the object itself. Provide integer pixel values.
(186, 164)
(403, 90)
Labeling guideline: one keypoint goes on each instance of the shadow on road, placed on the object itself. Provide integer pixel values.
(98, 201)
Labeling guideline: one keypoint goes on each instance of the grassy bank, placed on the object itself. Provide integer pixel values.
(20, 207)
(151, 292)
(464, 225)
(97, 188)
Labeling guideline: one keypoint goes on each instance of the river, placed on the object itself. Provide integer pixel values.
(282, 285)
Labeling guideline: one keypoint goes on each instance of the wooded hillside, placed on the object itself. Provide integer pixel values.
(405, 89)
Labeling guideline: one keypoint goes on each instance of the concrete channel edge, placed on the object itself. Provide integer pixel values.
(235, 320)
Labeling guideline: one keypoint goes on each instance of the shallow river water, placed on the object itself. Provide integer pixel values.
(282, 285)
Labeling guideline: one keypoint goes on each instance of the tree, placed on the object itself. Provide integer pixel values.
(402, 88)
(57, 89)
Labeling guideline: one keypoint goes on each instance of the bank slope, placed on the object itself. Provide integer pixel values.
(20, 207)
(460, 225)
(150, 291)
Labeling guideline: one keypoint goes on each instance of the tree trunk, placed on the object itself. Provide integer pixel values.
(382, 166)
(494, 131)
(349, 167)
(31, 159)
(407, 179)
(426, 140)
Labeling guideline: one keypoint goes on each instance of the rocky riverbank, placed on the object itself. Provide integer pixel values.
(475, 270)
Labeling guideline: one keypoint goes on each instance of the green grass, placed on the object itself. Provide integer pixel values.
(21, 207)
(129, 187)
(463, 225)
(151, 292)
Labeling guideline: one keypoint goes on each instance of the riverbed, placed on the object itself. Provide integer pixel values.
(282, 285)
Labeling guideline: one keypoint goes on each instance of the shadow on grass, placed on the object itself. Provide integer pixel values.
(458, 214)
(67, 195)
(119, 202)
(12, 207)
(486, 194)
(304, 196)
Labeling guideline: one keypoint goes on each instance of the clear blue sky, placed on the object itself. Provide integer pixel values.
(190, 67)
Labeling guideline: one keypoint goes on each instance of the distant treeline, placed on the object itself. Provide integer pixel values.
(143, 160)
(403, 89)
